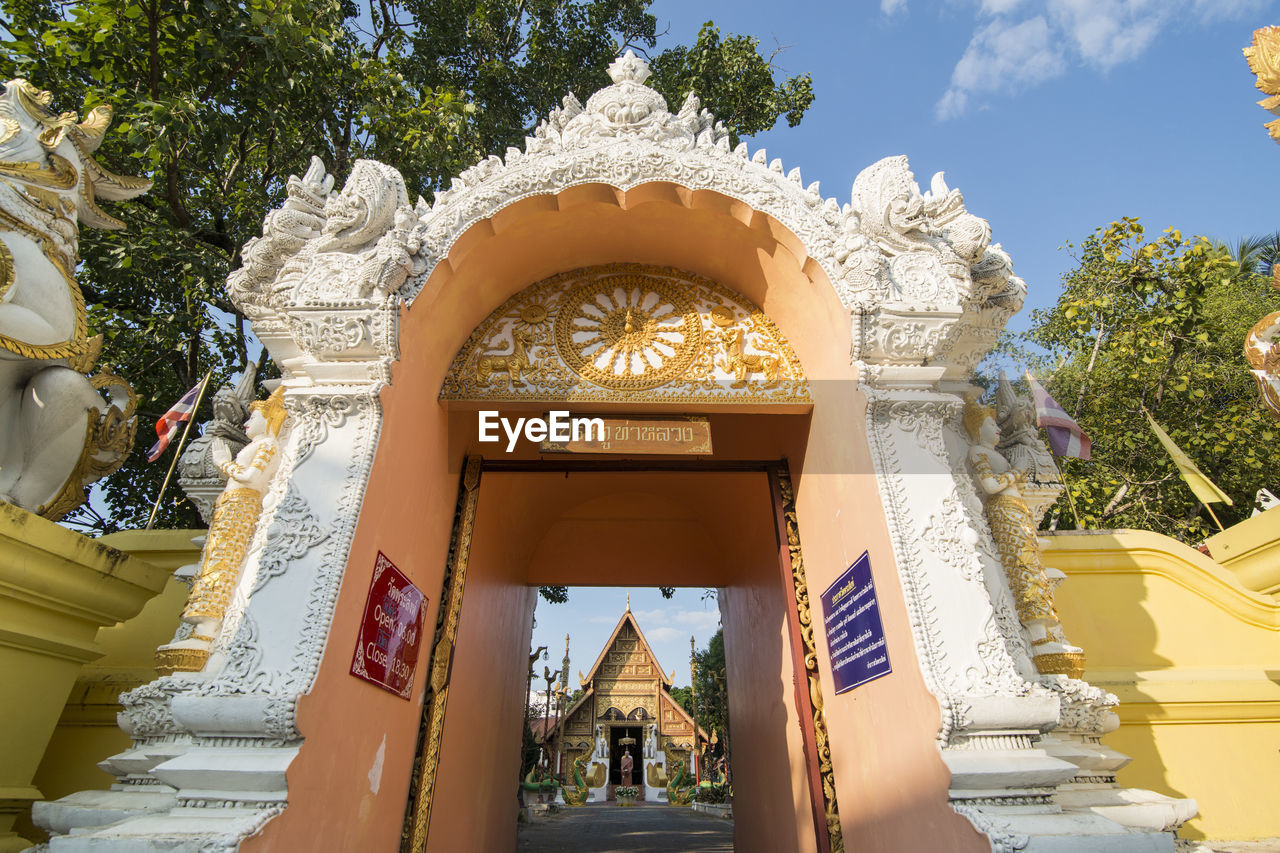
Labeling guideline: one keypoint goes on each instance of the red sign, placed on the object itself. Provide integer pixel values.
(391, 632)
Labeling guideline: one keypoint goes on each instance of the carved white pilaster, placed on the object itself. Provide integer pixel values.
(996, 712)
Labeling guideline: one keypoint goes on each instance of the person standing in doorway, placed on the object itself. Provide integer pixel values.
(626, 765)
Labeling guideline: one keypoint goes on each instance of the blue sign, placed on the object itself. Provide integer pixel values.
(855, 634)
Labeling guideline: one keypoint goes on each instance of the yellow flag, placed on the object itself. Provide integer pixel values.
(1201, 485)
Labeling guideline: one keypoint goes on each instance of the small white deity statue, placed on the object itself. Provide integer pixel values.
(57, 433)
(235, 517)
(1014, 531)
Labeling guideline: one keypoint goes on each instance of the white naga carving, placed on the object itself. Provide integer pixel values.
(57, 433)
(926, 288)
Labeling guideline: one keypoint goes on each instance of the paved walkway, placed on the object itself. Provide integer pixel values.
(608, 828)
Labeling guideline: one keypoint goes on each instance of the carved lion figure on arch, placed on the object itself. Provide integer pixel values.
(57, 432)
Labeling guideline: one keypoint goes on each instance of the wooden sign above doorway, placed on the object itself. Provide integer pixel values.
(686, 435)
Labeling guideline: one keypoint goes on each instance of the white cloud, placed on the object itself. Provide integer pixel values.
(951, 104)
(1019, 44)
(892, 7)
(1106, 32)
(698, 619)
(1003, 57)
(664, 634)
(651, 617)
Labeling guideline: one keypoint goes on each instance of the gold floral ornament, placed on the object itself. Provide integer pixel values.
(1264, 61)
(235, 518)
(627, 333)
(1014, 530)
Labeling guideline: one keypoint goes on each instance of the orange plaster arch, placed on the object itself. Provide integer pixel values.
(348, 785)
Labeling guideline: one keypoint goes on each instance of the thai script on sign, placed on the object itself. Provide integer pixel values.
(855, 634)
(628, 431)
(686, 435)
(386, 652)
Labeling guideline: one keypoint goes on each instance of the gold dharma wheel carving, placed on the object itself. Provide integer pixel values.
(628, 331)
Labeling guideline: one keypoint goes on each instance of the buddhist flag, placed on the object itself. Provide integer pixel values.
(1201, 485)
(1065, 436)
(170, 421)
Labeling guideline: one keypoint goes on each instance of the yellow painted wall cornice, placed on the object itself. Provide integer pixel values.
(1144, 552)
(1187, 695)
(168, 549)
(59, 586)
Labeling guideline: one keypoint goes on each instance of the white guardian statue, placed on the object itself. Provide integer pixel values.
(57, 432)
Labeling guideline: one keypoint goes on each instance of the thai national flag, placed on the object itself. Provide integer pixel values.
(1065, 436)
(170, 421)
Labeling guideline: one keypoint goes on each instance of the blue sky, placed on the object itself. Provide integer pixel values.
(592, 612)
(1052, 117)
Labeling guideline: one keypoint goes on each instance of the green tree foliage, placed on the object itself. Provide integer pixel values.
(560, 594)
(1158, 323)
(683, 697)
(218, 102)
(1257, 253)
(711, 687)
(732, 79)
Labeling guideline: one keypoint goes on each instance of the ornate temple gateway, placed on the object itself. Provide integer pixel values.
(628, 263)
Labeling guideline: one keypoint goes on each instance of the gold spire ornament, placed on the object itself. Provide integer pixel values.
(1014, 532)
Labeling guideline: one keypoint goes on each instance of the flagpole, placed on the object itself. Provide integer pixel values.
(178, 452)
(1062, 472)
(1215, 518)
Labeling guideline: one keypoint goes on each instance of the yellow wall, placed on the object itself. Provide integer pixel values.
(1194, 657)
(87, 731)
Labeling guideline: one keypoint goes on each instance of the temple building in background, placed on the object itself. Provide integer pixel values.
(626, 704)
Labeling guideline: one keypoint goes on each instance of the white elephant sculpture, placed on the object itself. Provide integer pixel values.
(57, 432)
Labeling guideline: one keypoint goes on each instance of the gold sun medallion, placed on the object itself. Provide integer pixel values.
(628, 331)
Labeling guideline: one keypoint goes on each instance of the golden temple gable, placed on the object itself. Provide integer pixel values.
(626, 695)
